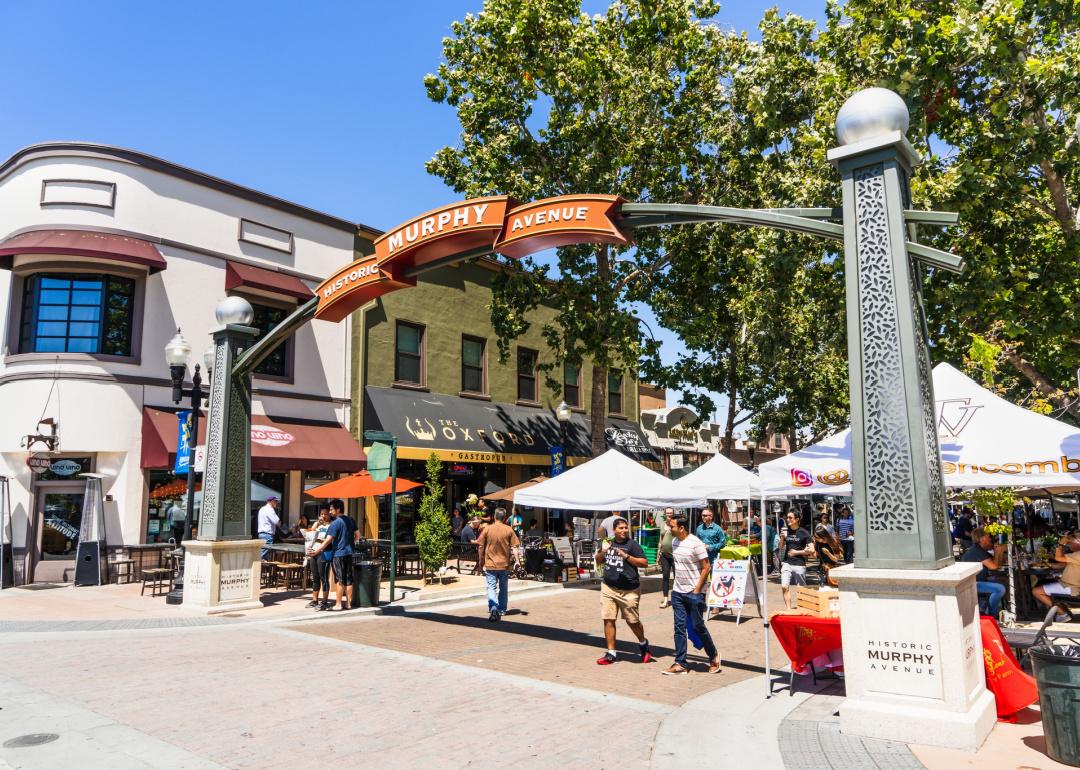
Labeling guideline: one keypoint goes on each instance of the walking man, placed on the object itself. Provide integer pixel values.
(620, 593)
(666, 564)
(339, 538)
(691, 561)
(494, 545)
(269, 521)
(795, 546)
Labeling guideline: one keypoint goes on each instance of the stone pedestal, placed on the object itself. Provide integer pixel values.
(222, 575)
(913, 658)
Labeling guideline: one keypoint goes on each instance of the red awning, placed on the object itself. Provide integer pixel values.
(275, 445)
(83, 243)
(238, 275)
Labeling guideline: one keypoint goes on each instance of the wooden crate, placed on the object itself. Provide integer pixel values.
(825, 604)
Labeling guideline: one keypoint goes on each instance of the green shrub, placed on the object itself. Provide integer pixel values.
(433, 536)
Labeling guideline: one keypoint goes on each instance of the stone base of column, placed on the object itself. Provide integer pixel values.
(222, 575)
(913, 659)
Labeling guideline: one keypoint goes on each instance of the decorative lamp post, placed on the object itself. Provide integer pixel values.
(751, 447)
(563, 412)
(176, 356)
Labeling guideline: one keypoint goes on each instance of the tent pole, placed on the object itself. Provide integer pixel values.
(765, 603)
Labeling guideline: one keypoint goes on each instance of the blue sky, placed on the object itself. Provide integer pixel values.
(321, 103)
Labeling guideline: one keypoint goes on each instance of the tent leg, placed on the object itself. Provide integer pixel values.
(765, 603)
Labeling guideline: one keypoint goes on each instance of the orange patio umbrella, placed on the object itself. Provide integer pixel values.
(360, 485)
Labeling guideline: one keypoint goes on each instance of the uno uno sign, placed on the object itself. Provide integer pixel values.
(267, 436)
(460, 230)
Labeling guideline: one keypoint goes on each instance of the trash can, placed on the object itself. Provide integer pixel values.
(534, 560)
(1057, 675)
(552, 571)
(367, 576)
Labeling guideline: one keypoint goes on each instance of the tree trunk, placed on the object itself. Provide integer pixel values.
(599, 409)
(1044, 386)
(729, 423)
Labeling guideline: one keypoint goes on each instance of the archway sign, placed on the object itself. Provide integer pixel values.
(904, 593)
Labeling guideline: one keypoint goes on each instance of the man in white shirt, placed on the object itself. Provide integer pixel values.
(268, 523)
(688, 595)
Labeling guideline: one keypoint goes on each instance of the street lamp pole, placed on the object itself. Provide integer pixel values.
(176, 354)
(751, 447)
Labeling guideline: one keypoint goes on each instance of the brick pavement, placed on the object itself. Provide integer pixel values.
(559, 640)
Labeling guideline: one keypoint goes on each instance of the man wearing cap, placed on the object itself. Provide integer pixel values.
(269, 522)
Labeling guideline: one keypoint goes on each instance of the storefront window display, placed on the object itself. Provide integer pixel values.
(166, 506)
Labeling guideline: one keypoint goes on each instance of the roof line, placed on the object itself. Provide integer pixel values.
(90, 149)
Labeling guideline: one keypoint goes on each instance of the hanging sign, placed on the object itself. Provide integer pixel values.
(200, 458)
(467, 229)
(676, 462)
(38, 463)
(727, 585)
(558, 461)
(64, 467)
(183, 443)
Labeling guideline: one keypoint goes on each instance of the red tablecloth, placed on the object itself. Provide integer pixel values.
(804, 637)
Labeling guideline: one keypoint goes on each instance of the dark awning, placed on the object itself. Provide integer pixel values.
(238, 275)
(275, 445)
(470, 430)
(82, 243)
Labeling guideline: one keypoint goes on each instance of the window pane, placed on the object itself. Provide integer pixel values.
(571, 372)
(526, 361)
(84, 283)
(614, 381)
(572, 394)
(82, 329)
(119, 318)
(86, 297)
(408, 339)
(55, 312)
(55, 297)
(472, 379)
(472, 352)
(51, 329)
(50, 345)
(48, 282)
(408, 369)
(265, 319)
(82, 345)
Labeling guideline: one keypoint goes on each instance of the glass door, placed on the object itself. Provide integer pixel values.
(59, 521)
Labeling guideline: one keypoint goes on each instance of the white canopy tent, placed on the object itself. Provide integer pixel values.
(720, 478)
(610, 482)
(985, 442)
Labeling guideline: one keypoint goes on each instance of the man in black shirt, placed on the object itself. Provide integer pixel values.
(620, 591)
(795, 545)
(980, 553)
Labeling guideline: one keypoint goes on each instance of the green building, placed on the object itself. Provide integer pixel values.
(427, 369)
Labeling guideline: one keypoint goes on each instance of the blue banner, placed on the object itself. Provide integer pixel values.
(558, 461)
(183, 443)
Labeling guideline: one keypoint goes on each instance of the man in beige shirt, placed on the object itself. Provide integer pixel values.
(495, 544)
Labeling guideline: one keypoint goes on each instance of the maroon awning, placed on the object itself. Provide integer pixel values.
(275, 445)
(238, 275)
(83, 243)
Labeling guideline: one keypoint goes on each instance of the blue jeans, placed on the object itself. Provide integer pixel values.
(269, 540)
(690, 606)
(996, 592)
(496, 589)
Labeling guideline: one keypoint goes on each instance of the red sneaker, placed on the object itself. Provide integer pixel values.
(647, 658)
(605, 660)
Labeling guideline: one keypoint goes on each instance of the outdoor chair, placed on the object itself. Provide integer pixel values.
(289, 575)
(158, 578)
(123, 568)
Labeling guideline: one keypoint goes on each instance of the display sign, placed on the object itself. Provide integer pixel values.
(558, 461)
(379, 457)
(38, 463)
(267, 436)
(459, 469)
(65, 467)
(676, 461)
(727, 585)
(183, 443)
(200, 458)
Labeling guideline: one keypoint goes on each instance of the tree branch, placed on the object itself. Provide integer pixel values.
(1041, 383)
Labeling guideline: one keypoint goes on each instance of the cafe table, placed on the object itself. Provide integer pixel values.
(739, 552)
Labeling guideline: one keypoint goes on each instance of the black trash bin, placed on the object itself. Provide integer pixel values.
(367, 575)
(1057, 674)
(552, 571)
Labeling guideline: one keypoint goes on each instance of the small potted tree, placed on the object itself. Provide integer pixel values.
(433, 533)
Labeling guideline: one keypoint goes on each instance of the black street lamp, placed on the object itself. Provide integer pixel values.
(563, 412)
(176, 355)
(750, 445)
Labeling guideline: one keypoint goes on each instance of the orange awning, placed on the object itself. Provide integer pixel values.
(360, 485)
(276, 445)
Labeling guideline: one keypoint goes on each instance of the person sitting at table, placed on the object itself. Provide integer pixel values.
(980, 552)
(829, 551)
(534, 529)
(300, 527)
(1069, 582)
(468, 532)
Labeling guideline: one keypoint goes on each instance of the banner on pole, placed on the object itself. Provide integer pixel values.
(727, 585)
(183, 443)
(558, 461)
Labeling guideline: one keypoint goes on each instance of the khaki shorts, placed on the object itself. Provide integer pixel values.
(612, 600)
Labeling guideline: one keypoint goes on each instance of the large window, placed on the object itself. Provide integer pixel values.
(572, 384)
(472, 364)
(277, 363)
(77, 314)
(409, 357)
(614, 391)
(526, 375)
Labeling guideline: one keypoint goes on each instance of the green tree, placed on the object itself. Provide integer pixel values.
(551, 101)
(433, 534)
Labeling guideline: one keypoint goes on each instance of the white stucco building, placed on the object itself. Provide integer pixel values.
(104, 253)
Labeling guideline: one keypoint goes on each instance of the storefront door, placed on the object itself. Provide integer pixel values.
(59, 518)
